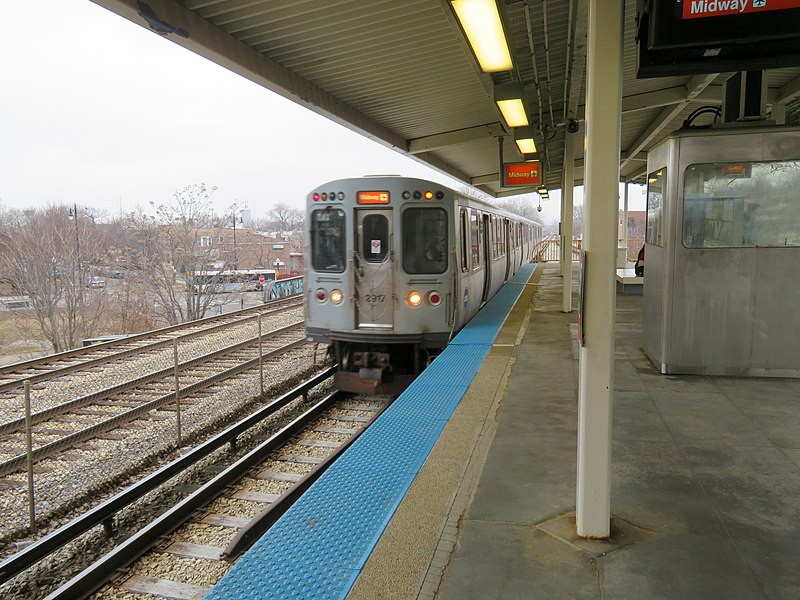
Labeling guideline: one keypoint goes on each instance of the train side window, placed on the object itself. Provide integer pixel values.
(474, 235)
(328, 252)
(425, 240)
(464, 238)
(375, 238)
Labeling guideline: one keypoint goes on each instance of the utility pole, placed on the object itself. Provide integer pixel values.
(73, 213)
(235, 261)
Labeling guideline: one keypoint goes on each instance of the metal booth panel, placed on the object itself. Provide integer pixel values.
(727, 310)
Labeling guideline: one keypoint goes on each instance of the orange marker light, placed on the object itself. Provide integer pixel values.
(428, 195)
(414, 298)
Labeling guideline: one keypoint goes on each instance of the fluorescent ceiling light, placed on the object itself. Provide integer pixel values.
(523, 136)
(481, 23)
(513, 112)
(526, 145)
(508, 98)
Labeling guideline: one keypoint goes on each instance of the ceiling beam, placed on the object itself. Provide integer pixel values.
(789, 91)
(451, 138)
(484, 179)
(693, 88)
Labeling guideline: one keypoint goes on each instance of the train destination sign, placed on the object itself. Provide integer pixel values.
(372, 197)
(519, 174)
(695, 9)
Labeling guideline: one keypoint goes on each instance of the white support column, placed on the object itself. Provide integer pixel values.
(601, 210)
(567, 190)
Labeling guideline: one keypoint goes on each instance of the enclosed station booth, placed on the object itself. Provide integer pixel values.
(722, 274)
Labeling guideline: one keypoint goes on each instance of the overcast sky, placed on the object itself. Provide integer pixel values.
(101, 112)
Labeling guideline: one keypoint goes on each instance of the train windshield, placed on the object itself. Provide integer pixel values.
(425, 240)
(328, 250)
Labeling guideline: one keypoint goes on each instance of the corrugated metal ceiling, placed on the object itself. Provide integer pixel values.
(401, 73)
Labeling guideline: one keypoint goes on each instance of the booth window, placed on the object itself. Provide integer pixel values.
(741, 205)
(656, 183)
(328, 240)
(424, 240)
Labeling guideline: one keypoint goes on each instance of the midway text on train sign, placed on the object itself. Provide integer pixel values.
(372, 198)
(695, 9)
(527, 173)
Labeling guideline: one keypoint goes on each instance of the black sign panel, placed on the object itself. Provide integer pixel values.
(679, 37)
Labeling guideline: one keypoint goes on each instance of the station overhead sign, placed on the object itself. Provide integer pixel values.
(522, 174)
(682, 37)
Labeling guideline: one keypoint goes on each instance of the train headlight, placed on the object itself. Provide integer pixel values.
(321, 295)
(337, 296)
(434, 298)
(413, 298)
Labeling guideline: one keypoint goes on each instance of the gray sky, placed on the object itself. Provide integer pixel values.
(99, 111)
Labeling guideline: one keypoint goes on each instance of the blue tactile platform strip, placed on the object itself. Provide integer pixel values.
(318, 547)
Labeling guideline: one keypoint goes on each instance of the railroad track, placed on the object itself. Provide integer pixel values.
(182, 553)
(53, 366)
(87, 417)
(97, 428)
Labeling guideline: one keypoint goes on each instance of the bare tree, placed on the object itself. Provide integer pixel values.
(286, 218)
(524, 207)
(175, 247)
(47, 257)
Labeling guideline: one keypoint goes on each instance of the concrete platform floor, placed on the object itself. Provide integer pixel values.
(705, 481)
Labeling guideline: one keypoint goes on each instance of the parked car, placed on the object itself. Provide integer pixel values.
(96, 283)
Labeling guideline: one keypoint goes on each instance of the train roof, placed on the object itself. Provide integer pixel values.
(470, 199)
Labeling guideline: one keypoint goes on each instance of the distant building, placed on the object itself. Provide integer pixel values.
(256, 250)
(637, 220)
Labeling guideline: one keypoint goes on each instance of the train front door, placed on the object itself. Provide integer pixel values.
(374, 281)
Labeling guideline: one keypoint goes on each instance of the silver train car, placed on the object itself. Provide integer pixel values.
(395, 267)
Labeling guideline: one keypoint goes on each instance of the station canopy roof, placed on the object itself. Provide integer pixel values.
(401, 72)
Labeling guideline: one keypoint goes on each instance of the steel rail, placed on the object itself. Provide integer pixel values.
(43, 415)
(92, 578)
(291, 302)
(17, 462)
(104, 512)
(259, 524)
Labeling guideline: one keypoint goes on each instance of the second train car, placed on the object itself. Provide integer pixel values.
(395, 266)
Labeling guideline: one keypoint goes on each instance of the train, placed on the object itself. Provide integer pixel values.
(395, 266)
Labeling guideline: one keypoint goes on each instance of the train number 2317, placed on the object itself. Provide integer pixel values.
(374, 298)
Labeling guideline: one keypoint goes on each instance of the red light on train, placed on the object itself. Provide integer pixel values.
(316, 197)
(322, 295)
(434, 298)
